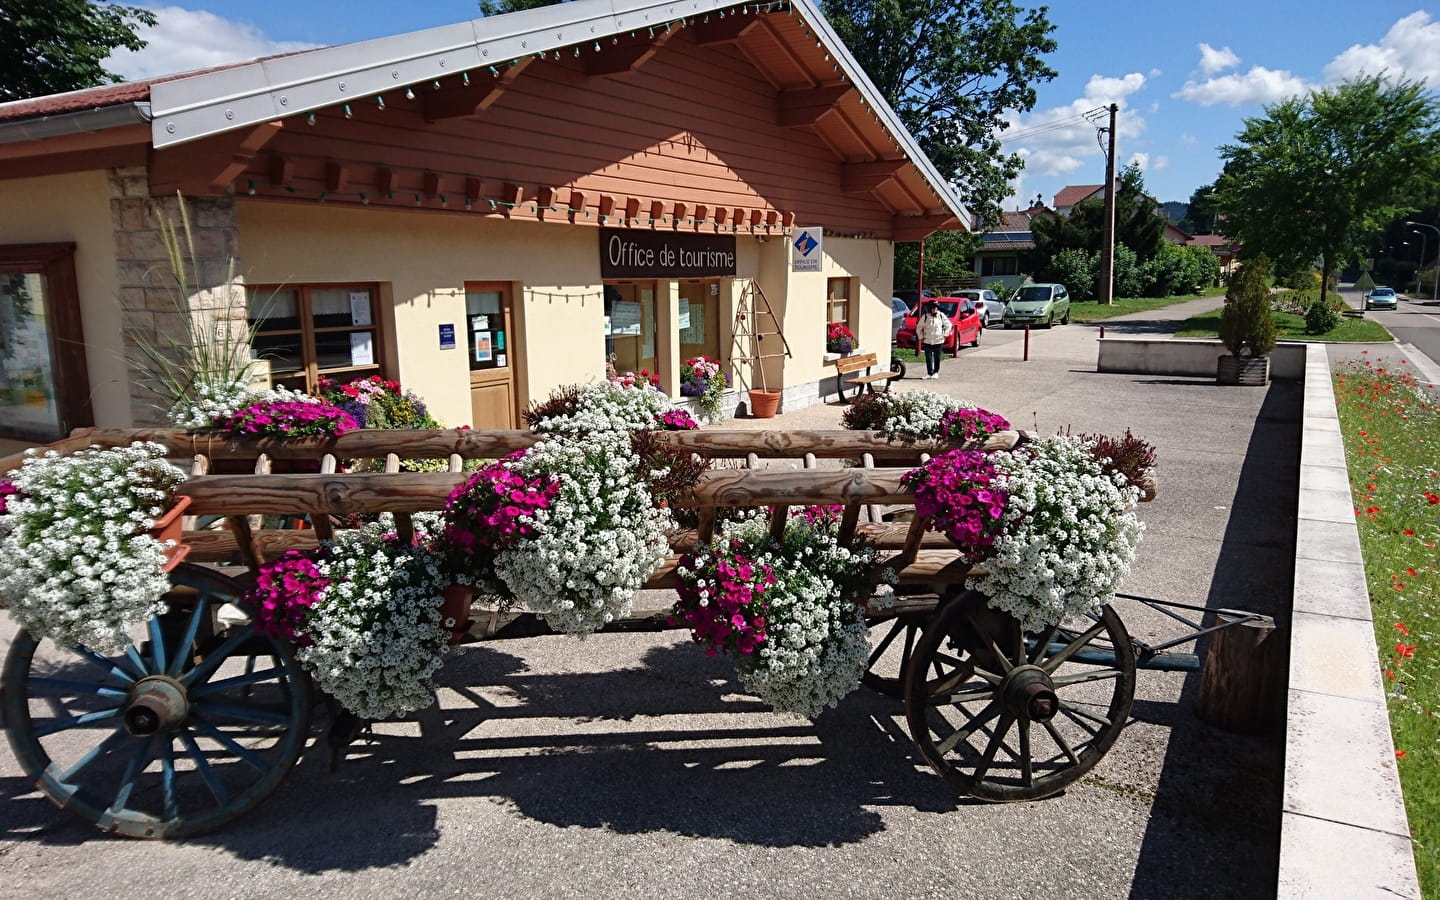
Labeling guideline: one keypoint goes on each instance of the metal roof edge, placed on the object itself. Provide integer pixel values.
(83, 122)
(197, 106)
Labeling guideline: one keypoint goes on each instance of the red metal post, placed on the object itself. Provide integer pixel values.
(1027, 343)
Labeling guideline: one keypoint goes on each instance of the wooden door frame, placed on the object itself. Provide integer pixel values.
(507, 292)
(55, 262)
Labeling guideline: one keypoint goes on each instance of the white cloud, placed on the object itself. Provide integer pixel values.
(1188, 140)
(1058, 141)
(1158, 163)
(1139, 159)
(183, 40)
(1212, 60)
(1259, 85)
(1408, 49)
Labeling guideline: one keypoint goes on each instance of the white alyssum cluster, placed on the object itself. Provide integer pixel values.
(598, 541)
(216, 400)
(915, 415)
(77, 566)
(816, 647)
(604, 406)
(1069, 537)
(378, 636)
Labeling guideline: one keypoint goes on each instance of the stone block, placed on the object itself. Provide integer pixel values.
(1316, 539)
(1332, 859)
(1335, 656)
(1340, 764)
(1332, 588)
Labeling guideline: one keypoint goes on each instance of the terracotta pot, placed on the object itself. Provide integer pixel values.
(764, 404)
(167, 528)
(455, 605)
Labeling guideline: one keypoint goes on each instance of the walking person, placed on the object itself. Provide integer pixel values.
(932, 330)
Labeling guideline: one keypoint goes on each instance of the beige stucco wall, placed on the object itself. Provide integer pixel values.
(422, 261)
(871, 263)
(76, 208)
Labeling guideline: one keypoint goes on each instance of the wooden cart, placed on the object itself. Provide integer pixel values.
(202, 716)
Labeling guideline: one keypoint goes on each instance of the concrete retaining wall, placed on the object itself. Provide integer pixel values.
(1169, 356)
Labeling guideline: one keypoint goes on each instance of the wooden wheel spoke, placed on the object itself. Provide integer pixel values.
(886, 641)
(975, 724)
(1082, 677)
(231, 744)
(62, 687)
(1084, 714)
(109, 666)
(201, 673)
(1073, 647)
(157, 645)
(167, 778)
(1027, 769)
(138, 760)
(88, 720)
(202, 766)
(132, 654)
(1063, 744)
(1042, 645)
(112, 740)
(997, 737)
(256, 715)
(238, 681)
(192, 628)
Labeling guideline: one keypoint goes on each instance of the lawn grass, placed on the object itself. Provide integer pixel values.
(1290, 327)
(905, 354)
(1094, 312)
(1392, 451)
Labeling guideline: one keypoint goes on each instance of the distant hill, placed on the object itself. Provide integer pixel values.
(1175, 210)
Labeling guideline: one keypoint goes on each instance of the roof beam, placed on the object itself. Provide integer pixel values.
(913, 228)
(723, 31)
(861, 178)
(484, 89)
(209, 165)
(799, 109)
(628, 55)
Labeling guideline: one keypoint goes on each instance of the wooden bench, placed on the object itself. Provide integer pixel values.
(846, 365)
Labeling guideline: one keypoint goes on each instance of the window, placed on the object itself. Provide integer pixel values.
(44, 383)
(630, 325)
(837, 300)
(312, 330)
(999, 265)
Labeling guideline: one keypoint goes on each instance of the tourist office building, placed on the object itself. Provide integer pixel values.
(483, 212)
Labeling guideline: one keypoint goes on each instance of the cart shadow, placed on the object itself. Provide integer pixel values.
(611, 750)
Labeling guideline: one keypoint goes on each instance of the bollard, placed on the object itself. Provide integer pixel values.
(1102, 332)
(1027, 344)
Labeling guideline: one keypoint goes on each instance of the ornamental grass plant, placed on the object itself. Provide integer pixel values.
(1391, 428)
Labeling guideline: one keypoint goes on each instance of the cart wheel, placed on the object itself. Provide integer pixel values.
(898, 367)
(188, 728)
(892, 643)
(1004, 716)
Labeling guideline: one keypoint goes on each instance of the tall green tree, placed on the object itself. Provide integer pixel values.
(1200, 216)
(1317, 176)
(953, 70)
(50, 46)
(1138, 225)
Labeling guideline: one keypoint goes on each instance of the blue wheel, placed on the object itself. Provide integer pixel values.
(196, 721)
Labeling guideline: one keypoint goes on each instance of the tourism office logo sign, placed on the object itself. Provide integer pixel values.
(805, 252)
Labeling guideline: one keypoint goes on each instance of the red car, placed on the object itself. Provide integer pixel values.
(963, 314)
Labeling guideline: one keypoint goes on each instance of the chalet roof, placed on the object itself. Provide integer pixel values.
(815, 77)
(1210, 240)
(1073, 193)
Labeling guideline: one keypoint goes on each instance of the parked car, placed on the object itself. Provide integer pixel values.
(962, 313)
(911, 296)
(992, 308)
(1038, 303)
(1381, 298)
(899, 309)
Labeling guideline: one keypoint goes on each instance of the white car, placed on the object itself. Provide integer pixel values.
(1381, 298)
(992, 308)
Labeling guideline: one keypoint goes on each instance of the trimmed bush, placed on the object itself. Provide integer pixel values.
(1320, 318)
(1246, 320)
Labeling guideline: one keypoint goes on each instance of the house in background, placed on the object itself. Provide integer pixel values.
(1223, 248)
(483, 211)
(1072, 195)
(1001, 250)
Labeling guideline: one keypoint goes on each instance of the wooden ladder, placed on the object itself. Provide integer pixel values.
(750, 331)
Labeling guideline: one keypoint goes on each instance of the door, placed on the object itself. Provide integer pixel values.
(488, 321)
(44, 383)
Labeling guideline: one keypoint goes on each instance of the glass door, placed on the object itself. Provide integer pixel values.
(491, 352)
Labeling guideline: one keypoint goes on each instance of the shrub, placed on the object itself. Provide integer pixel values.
(1076, 270)
(1320, 318)
(1129, 276)
(1246, 320)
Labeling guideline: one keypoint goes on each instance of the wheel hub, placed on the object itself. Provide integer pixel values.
(156, 704)
(1029, 694)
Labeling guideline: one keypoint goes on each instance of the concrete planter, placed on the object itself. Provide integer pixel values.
(1248, 371)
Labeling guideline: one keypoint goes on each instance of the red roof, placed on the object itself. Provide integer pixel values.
(1210, 240)
(1074, 193)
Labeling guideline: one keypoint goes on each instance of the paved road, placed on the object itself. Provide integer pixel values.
(634, 765)
(1416, 326)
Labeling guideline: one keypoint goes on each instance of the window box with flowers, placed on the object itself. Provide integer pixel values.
(704, 379)
(839, 339)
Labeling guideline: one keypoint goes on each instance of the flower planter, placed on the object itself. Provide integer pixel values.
(455, 605)
(764, 404)
(1250, 371)
(168, 528)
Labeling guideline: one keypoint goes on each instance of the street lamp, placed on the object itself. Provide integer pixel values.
(1423, 236)
(1435, 282)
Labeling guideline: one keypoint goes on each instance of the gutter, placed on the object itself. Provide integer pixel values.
(85, 122)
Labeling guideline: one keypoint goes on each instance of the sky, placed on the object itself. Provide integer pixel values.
(1184, 78)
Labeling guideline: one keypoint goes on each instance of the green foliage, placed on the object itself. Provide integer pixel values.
(1321, 318)
(1317, 176)
(947, 255)
(499, 7)
(1300, 278)
(1139, 226)
(1076, 270)
(52, 46)
(1171, 271)
(1129, 276)
(1246, 320)
(1200, 217)
(956, 72)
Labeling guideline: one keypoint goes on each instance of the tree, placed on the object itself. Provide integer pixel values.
(953, 70)
(1316, 177)
(1246, 320)
(947, 256)
(51, 46)
(1200, 217)
(1138, 226)
(498, 7)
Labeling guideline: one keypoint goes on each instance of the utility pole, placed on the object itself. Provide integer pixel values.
(1105, 290)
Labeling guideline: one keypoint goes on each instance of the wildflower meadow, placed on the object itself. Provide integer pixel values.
(1391, 426)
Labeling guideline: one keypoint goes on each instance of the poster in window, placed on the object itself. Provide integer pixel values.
(499, 341)
(484, 347)
(359, 307)
(362, 352)
(479, 323)
(692, 322)
(625, 317)
(500, 360)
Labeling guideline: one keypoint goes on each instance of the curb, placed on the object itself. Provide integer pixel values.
(1343, 831)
